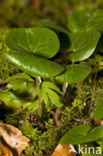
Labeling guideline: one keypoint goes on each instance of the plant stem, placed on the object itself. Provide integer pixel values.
(65, 85)
(93, 94)
(57, 117)
(40, 111)
(58, 110)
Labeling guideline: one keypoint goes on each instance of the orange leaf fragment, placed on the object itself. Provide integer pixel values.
(4, 151)
(64, 150)
(14, 138)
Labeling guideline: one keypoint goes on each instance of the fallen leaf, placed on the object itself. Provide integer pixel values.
(14, 138)
(64, 150)
(4, 151)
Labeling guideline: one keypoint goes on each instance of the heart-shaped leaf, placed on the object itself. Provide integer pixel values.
(74, 73)
(78, 20)
(80, 134)
(34, 65)
(83, 44)
(98, 114)
(42, 41)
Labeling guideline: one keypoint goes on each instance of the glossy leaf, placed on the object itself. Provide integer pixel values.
(34, 65)
(98, 114)
(78, 20)
(74, 73)
(80, 134)
(42, 41)
(83, 44)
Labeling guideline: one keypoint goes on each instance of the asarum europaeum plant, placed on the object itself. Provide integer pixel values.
(50, 54)
(31, 50)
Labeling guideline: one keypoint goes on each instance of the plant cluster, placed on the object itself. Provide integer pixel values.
(51, 59)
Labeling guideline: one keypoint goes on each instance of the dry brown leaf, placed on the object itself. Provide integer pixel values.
(64, 150)
(5, 151)
(13, 139)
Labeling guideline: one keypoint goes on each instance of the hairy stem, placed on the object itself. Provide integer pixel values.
(93, 93)
(65, 85)
(58, 110)
(40, 111)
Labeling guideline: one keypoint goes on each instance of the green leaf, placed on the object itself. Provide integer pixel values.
(52, 86)
(17, 84)
(61, 32)
(98, 58)
(98, 114)
(52, 25)
(5, 96)
(83, 44)
(41, 41)
(96, 22)
(74, 134)
(78, 20)
(34, 65)
(74, 73)
(19, 76)
(11, 100)
(49, 94)
(33, 105)
(79, 135)
(23, 88)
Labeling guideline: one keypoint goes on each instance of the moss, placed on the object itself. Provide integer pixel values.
(44, 136)
(43, 139)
